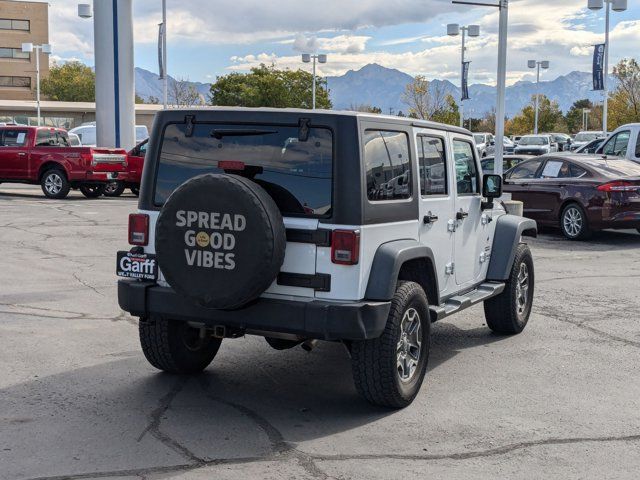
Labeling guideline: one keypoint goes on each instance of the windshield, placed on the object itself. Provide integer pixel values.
(479, 138)
(534, 141)
(586, 137)
(296, 173)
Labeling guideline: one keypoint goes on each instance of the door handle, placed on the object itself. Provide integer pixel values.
(461, 215)
(22, 154)
(429, 219)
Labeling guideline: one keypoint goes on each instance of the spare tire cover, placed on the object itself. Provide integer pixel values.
(220, 240)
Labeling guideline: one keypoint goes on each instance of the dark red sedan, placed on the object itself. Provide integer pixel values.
(578, 193)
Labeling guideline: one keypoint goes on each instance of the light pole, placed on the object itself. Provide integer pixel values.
(585, 119)
(307, 58)
(31, 48)
(453, 30)
(535, 64)
(618, 6)
(165, 86)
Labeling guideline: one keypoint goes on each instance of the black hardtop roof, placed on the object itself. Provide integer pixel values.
(259, 114)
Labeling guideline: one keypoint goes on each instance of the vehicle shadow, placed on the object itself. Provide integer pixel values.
(600, 241)
(73, 196)
(250, 403)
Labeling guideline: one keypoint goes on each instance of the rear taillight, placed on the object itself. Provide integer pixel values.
(138, 229)
(618, 187)
(87, 158)
(345, 247)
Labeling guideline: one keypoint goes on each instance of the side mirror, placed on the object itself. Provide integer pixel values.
(492, 143)
(491, 186)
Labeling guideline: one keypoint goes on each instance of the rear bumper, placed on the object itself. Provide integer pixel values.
(312, 319)
(93, 176)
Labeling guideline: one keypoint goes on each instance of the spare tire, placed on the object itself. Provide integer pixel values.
(220, 241)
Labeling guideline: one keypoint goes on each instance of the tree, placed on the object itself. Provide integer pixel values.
(357, 107)
(550, 118)
(423, 99)
(574, 117)
(184, 94)
(449, 113)
(70, 82)
(624, 102)
(266, 86)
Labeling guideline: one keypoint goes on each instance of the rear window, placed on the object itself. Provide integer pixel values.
(296, 171)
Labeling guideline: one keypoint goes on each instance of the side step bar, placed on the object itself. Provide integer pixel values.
(460, 302)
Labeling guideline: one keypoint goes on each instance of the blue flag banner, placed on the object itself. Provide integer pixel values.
(598, 67)
(465, 81)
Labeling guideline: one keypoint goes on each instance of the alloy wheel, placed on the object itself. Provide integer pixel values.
(522, 288)
(409, 345)
(53, 183)
(573, 221)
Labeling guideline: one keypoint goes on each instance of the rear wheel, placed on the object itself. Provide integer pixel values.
(114, 189)
(135, 191)
(574, 222)
(175, 347)
(389, 370)
(508, 313)
(92, 191)
(54, 184)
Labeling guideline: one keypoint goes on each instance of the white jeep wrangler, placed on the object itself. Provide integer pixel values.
(301, 226)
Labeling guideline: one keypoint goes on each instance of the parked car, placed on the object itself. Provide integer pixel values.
(592, 147)
(624, 142)
(535, 145)
(578, 193)
(582, 138)
(516, 139)
(485, 143)
(135, 163)
(562, 140)
(43, 155)
(87, 133)
(74, 140)
(508, 162)
(282, 223)
(509, 146)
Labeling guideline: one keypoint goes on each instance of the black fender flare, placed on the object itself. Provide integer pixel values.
(509, 231)
(387, 263)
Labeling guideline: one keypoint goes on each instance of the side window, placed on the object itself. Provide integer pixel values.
(526, 170)
(62, 140)
(555, 169)
(617, 145)
(638, 146)
(466, 170)
(45, 138)
(432, 165)
(387, 164)
(576, 171)
(13, 138)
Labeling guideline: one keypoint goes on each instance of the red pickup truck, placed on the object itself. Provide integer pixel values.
(43, 155)
(135, 164)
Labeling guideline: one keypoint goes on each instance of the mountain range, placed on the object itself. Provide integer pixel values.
(383, 87)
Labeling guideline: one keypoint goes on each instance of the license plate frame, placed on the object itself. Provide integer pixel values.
(137, 266)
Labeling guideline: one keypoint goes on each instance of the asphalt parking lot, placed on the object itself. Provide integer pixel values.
(78, 399)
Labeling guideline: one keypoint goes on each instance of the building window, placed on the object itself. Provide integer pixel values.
(15, 81)
(14, 53)
(10, 24)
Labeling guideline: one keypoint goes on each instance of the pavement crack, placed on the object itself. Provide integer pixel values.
(549, 312)
(156, 419)
(87, 285)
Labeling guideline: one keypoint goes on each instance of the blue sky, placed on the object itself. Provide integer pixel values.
(209, 38)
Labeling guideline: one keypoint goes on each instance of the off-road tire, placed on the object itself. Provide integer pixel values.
(375, 362)
(504, 312)
(114, 189)
(164, 345)
(573, 210)
(57, 176)
(92, 191)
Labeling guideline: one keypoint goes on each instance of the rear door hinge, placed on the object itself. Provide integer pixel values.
(450, 268)
(451, 226)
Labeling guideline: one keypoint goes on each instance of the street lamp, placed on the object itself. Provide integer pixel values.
(534, 64)
(453, 30)
(307, 58)
(618, 6)
(46, 49)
